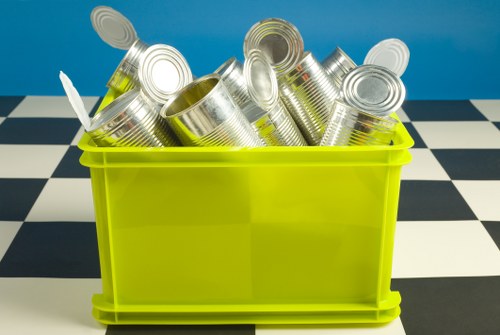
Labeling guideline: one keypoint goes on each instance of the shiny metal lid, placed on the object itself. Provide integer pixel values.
(391, 53)
(373, 89)
(261, 79)
(162, 72)
(279, 40)
(113, 28)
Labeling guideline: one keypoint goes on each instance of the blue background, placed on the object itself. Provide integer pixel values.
(455, 45)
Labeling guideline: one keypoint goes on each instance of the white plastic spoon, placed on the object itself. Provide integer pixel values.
(75, 100)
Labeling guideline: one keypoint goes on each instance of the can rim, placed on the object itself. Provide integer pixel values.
(265, 99)
(132, 56)
(162, 53)
(282, 28)
(176, 95)
(226, 67)
(123, 38)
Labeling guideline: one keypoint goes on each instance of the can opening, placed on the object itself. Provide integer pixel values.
(191, 95)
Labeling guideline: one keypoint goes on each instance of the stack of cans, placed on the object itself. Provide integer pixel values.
(280, 96)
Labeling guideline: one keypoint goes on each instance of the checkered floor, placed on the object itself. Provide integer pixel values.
(446, 259)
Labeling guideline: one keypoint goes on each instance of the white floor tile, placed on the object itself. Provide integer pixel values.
(48, 306)
(44, 106)
(393, 328)
(424, 166)
(463, 134)
(402, 115)
(483, 196)
(30, 161)
(8, 230)
(78, 136)
(64, 199)
(1, 119)
(490, 108)
(444, 249)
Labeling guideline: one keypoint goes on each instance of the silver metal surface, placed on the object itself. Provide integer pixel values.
(231, 73)
(308, 93)
(337, 65)
(263, 89)
(373, 89)
(126, 75)
(204, 114)
(113, 27)
(350, 126)
(279, 40)
(162, 72)
(131, 120)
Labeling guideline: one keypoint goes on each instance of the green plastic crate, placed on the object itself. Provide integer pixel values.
(272, 235)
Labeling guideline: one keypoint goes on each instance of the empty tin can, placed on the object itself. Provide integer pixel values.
(203, 113)
(131, 120)
(350, 126)
(162, 72)
(263, 89)
(373, 89)
(126, 75)
(279, 40)
(337, 65)
(308, 93)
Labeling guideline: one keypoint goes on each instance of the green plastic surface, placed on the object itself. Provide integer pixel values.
(270, 235)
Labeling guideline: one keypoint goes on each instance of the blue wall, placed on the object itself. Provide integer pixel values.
(455, 45)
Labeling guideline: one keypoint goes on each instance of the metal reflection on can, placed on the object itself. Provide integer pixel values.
(308, 93)
(162, 72)
(279, 40)
(373, 89)
(337, 65)
(349, 126)
(131, 120)
(203, 113)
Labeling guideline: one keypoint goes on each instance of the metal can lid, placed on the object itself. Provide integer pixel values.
(162, 72)
(391, 53)
(261, 79)
(279, 40)
(373, 89)
(112, 27)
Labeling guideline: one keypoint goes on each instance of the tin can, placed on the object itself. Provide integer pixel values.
(162, 72)
(373, 89)
(308, 93)
(203, 113)
(349, 126)
(263, 90)
(279, 40)
(337, 65)
(131, 120)
(126, 75)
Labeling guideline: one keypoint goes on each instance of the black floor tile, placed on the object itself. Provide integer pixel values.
(497, 124)
(442, 110)
(53, 249)
(470, 164)
(70, 166)
(493, 228)
(182, 330)
(7, 104)
(458, 306)
(419, 143)
(422, 200)
(17, 197)
(38, 130)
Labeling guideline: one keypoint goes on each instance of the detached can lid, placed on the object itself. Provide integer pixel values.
(261, 79)
(373, 89)
(391, 53)
(280, 41)
(113, 28)
(162, 72)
